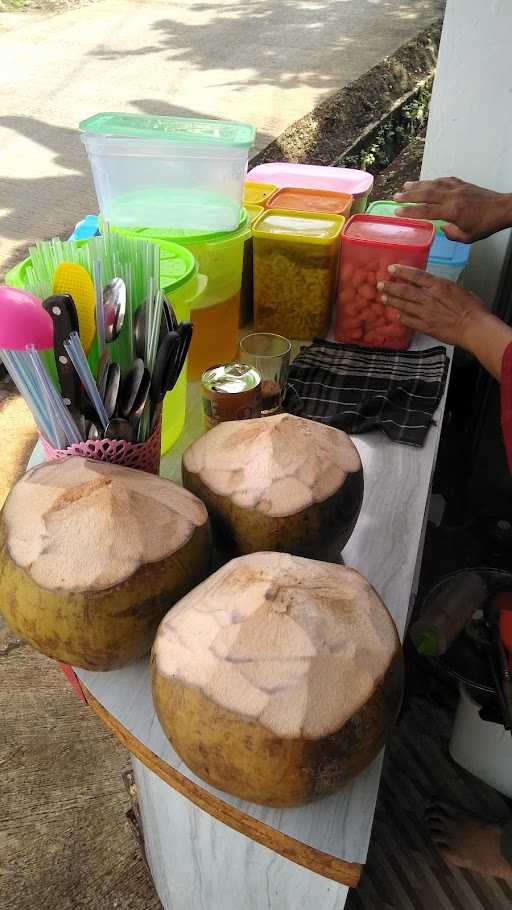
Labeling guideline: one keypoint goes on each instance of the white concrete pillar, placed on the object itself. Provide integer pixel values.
(470, 126)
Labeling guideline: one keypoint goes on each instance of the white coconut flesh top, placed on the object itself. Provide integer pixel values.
(86, 525)
(276, 465)
(295, 644)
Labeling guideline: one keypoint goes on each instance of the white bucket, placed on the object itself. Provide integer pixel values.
(481, 747)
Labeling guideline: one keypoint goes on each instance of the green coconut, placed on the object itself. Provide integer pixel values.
(92, 555)
(279, 678)
(278, 483)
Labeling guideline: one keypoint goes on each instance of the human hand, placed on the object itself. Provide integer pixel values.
(471, 211)
(433, 305)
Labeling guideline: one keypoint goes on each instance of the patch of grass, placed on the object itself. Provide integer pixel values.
(393, 135)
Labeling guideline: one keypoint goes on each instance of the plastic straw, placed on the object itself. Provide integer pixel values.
(77, 356)
(57, 429)
(58, 411)
(11, 360)
(100, 313)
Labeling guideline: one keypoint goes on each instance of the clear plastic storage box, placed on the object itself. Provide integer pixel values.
(168, 172)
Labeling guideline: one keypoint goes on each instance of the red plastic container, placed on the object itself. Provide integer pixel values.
(370, 243)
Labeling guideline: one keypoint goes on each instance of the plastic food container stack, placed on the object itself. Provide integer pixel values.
(161, 172)
(298, 199)
(357, 184)
(295, 264)
(370, 244)
(447, 258)
(257, 193)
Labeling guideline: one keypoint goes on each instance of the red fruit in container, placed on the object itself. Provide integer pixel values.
(368, 291)
(351, 323)
(346, 294)
(375, 337)
(352, 308)
(349, 273)
(370, 244)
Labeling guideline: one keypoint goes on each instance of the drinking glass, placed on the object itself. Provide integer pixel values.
(270, 354)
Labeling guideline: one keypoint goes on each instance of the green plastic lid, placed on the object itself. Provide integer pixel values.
(170, 129)
(388, 207)
(177, 265)
(17, 276)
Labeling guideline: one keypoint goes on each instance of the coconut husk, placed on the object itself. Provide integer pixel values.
(279, 678)
(278, 483)
(92, 556)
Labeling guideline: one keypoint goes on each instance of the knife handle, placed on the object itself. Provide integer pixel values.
(61, 308)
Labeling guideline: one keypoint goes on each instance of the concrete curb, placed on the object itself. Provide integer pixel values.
(347, 120)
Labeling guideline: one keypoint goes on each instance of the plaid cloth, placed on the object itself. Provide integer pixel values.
(359, 389)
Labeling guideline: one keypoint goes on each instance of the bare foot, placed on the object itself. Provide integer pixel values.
(466, 840)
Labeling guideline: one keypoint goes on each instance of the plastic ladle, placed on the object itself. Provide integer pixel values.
(23, 321)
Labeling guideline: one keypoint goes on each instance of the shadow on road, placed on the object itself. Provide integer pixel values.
(304, 33)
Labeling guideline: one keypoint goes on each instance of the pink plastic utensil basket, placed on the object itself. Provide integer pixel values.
(145, 456)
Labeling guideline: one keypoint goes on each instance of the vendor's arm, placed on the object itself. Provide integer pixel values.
(442, 309)
(472, 212)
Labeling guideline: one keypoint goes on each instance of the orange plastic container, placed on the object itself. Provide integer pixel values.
(297, 199)
(371, 243)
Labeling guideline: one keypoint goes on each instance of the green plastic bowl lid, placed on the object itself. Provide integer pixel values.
(171, 129)
(388, 206)
(177, 235)
(177, 265)
(17, 276)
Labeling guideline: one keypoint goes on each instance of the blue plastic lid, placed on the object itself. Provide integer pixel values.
(449, 252)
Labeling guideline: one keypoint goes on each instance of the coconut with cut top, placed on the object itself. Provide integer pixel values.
(93, 555)
(278, 483)
(279, 678)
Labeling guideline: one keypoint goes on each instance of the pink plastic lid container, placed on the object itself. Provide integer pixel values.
(340, 179)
